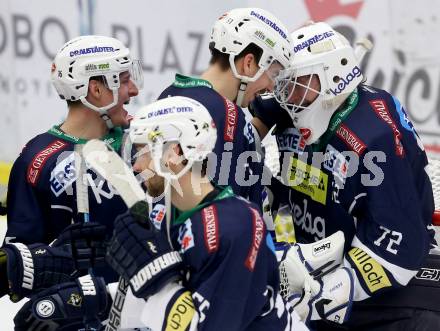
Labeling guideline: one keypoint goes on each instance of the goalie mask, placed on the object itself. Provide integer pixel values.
(90, 56)
(324, 64)
(238, 28)
(178, 120)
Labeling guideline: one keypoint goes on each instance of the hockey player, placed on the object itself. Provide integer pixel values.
(96, 76)
(351, 161)
(218, 270)
(248, 48)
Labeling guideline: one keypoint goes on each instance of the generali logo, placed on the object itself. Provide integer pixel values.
(321, 10)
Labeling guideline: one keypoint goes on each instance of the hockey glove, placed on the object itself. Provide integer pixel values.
(142, 255)
(39, 266)
(68, 303)
(319, 288)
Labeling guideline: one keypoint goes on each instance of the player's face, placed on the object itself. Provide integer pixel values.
(144, 166)
(265, 83)
(304, 90)
(127, 90)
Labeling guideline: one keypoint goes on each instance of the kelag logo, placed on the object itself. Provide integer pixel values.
(356, 72)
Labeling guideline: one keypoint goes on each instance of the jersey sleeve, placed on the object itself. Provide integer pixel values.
(395, 211)
(30, 207)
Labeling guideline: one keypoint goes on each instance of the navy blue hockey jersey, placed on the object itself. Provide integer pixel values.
(236, 161)
(367, 179)
(230, 266)
(42, 192)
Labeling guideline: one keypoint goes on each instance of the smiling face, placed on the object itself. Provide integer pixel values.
(127, 90)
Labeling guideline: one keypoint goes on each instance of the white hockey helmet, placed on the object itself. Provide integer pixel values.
(88, 56)
(240, 27)
(175, 119)
(318, 50)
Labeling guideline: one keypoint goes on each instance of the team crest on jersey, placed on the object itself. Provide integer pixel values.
(186, 237)
(63, 175)
(210, 226)
(336, 163)
(291, 141)
(157, 215)
(308, 180)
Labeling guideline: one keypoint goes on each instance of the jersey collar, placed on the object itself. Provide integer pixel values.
(112, 138)
(183, 81)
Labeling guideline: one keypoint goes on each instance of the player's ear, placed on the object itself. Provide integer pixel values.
(248, 65)
(174, 154)
(95, 89)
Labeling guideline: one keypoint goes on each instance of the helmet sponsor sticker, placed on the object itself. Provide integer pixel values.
(316, 38)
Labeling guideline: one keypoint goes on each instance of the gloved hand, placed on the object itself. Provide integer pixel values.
(142, 255)
(39, 266)
(329, 298)
(318, 286)
(66, 305)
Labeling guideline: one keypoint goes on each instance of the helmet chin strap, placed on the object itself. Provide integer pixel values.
(241, 91)
(103, 110)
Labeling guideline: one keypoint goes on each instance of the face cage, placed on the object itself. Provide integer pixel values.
(285, 86)
(156, 145)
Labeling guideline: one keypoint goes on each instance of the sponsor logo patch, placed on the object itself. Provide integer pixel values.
(308, 180)
(63, 175)
(291, 141)
(157, 215)
(231, 119)
(318, 250)
(210, 225)
(371, 271)
(37, 164)
(181, 313)
(336, 163)
(257, 238)
(186, 237)
(351, 140)
(381, 110)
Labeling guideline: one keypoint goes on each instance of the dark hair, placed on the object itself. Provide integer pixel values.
(73, 103)
(222, 59)
(203, 164)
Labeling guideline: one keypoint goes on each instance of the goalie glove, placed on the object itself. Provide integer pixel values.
(39, 266)
(142, 255)
(318, 287)
(329, 298)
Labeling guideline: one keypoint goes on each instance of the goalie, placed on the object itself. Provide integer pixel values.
(352, 162)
